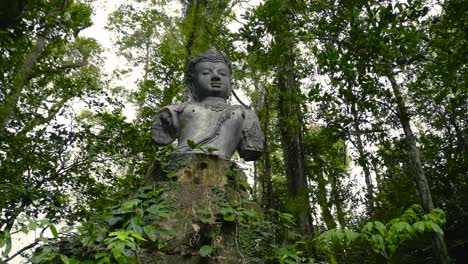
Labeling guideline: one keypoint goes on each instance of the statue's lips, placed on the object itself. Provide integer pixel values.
(215, 85)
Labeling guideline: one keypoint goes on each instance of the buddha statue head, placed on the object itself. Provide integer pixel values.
(209, 75)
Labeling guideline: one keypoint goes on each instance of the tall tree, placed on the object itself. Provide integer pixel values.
(46, 68)
(278, 20)
(441, 100)
(390, 38)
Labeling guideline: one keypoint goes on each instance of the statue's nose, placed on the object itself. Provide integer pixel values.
(215, 77)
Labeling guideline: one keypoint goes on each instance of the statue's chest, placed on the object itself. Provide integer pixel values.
(199, 120)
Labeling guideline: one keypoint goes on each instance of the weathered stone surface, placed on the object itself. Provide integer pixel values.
(172, 259)
(199, 191)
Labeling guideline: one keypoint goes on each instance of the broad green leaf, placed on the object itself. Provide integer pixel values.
(419, 226)
(436, 228)
(130, 205)
(64, 259)
(380, 227)
(137, 236)
(206, 250)
(229, 217)
(150, 231)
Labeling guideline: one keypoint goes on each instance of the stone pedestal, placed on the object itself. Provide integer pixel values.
(202, 191)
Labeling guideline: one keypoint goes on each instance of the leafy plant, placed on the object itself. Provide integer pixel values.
(117, 236)
(383, 240)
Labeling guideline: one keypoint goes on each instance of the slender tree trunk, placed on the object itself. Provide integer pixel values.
(21, 76)
(323, 201)
(192, 10)
(267, 195)
(337, 199)
(362, 159)
(289, 112)
(419, 177)
(24, 71)
(255, 176)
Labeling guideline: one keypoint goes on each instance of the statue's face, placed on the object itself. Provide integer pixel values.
(212, 79)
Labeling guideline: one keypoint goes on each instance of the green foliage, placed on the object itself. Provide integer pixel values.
(206, 250)
(385, 241)
(290, 254)
(47, 68)
(274, 240)
(194, 145)
(116, 236)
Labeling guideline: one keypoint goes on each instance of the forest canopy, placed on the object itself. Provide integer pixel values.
(363, 105)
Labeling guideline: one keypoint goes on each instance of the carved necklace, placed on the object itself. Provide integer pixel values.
(214, 107)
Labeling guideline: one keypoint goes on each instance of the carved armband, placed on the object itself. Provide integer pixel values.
(251, 144)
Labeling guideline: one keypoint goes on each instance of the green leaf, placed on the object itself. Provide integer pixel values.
(166, 232)
(64, 259)
(249, 213)
(99, 255)
(402, 227)
(150, 231)
(211, 150)
(192, 144)
(244, 185)
(116, 252)
(436, 228)
(130, 205)
(137, 236)
(419, 226)
(350, 235)
(206, 250)
(380, 227)
(229, 217)
(112, 220)
(54, 231)
(158, 210)
(7, 242)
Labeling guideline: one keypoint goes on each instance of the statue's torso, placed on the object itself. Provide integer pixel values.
(215, 128)
(218, 129)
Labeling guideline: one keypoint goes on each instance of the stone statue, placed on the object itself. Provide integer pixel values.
(207, 124)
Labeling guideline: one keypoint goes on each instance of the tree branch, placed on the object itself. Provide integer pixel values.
(19, 252)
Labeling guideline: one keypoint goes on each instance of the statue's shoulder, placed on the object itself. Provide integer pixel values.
(249, 113)
(178, 108)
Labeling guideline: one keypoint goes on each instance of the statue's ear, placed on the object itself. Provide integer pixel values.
(191, 89)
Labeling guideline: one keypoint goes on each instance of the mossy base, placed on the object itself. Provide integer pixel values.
(201, 191)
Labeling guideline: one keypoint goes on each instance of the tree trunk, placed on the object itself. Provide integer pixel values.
(267, 192)
(289, 113)
(192, 9)
(337, 198)
(419, 177)
(21, 75)
(24, 71)
(362, 159)
(323, 202)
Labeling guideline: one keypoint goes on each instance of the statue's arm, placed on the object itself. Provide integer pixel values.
(252, 139)
(164, 127)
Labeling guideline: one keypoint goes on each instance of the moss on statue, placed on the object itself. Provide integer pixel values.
(202, 191)
(204, 188)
